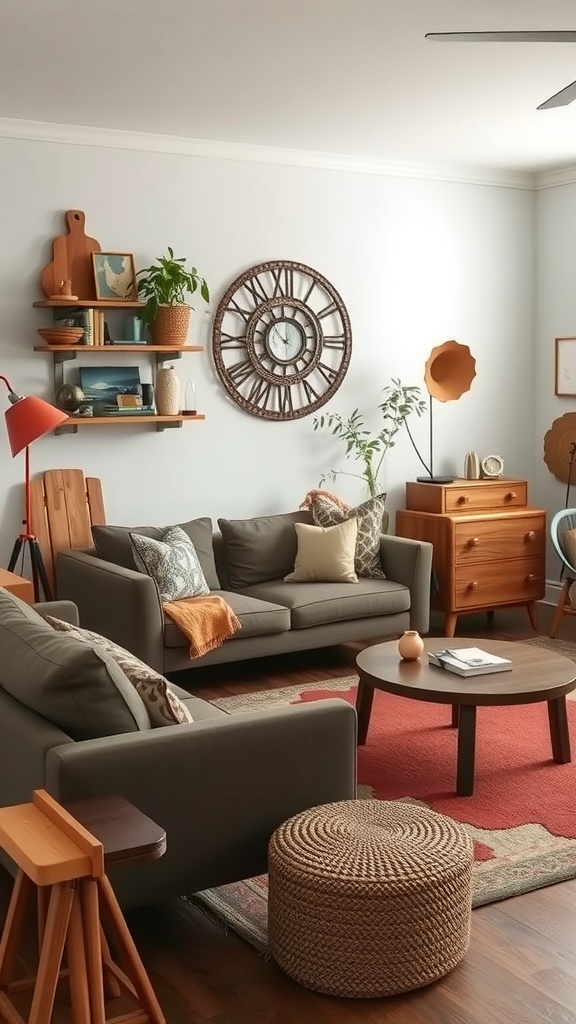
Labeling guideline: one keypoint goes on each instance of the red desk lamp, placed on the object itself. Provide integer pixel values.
(27, 419)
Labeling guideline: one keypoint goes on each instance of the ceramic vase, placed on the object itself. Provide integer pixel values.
(167, 392)
(410, 645)
(471, 466)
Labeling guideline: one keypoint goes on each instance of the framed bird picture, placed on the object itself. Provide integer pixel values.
(115, 276)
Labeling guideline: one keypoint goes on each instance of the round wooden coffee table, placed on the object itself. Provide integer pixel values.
(538, 675)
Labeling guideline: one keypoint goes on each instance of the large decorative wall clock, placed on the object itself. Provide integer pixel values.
(281, 340)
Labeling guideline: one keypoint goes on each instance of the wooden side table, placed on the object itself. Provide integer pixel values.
(65, 863)
(489, 544)
(17, 585)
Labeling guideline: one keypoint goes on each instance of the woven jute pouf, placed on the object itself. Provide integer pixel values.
(369, 898)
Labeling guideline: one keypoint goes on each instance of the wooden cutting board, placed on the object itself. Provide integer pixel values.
(71, 260)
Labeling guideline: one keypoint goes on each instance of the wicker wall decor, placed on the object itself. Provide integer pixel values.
(281, 340)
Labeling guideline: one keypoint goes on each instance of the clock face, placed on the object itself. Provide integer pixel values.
(492, 465)
(281, 340)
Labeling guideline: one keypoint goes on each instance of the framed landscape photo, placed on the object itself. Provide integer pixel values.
(565, 367)
(115, 276)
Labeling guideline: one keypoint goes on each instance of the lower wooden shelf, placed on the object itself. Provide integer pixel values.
(161, 422)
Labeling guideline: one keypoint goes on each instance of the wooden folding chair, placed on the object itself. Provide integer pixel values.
(64, 507)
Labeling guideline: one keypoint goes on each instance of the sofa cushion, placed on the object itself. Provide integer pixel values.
(172, 563)
(162, 704)
(113, 544)
(260, 549)
(257, 618)
(369, 516)
(325, 554)
(315, 604)
(79, 688)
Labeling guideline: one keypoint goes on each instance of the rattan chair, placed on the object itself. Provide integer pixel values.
(563, 536)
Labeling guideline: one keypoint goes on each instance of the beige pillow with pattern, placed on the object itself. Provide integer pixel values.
(325, 554)
(162, 704)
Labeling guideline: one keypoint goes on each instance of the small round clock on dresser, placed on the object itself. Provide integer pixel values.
(281, 340)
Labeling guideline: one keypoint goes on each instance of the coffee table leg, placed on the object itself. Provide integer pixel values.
(364, 698)
(466, 750)
(559, 734)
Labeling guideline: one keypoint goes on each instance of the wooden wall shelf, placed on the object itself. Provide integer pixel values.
(86, 304)
(74, 350)
(161, 422)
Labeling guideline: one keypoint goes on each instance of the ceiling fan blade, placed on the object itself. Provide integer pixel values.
(560, 99)
(567, 36)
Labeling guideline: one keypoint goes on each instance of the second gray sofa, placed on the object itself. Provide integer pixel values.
(246, 563)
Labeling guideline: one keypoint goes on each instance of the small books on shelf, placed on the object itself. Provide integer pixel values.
(468, 661)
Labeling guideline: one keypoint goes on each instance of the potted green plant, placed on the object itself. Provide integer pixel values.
(165, 287)
(398, 403)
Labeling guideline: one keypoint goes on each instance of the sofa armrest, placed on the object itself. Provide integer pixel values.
(119, 603)
(65, 610)
(410, 562)
(219, 786)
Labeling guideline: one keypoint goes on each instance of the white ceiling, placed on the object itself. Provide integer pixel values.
(349, 77)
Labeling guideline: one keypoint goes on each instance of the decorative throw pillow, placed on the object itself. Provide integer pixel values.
(369, 517)
(568, 543)
(325, 554)
(162, 705)
(113, 544)
(172, 562)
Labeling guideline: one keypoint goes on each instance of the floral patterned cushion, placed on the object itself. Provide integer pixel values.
(369, 517)
(172, 562)
(162, 704)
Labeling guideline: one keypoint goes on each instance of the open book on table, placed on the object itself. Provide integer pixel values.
(468, 661)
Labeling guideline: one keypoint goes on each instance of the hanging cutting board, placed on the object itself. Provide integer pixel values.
(71, 260)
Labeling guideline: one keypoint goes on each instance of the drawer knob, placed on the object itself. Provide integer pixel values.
(531, 535)
(473, 542)
(530, 577)
(510, 496)
(473, 585)
(463, 499)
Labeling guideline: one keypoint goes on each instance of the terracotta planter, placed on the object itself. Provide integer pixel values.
(171, 325)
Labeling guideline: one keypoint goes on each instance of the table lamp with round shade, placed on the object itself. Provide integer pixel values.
(27, 419)
(449, 372)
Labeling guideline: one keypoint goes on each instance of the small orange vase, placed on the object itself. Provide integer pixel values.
(410, 645)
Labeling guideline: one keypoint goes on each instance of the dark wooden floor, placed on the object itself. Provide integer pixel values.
(520, 969)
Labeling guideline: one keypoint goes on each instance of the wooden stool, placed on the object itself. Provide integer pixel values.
(56, 853)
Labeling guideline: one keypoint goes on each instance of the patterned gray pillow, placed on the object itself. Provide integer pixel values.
(162, 704)
(369, 518)
(172, 562)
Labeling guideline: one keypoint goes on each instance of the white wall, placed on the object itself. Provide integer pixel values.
(556, 305)
(416, 261)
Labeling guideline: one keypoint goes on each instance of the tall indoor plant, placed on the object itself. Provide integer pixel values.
(165, 286)
(364, 446)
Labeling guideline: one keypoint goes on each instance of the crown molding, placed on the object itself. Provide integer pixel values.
(553, 179)
(114, 138)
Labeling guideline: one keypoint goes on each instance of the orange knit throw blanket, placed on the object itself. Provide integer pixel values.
(205, 621)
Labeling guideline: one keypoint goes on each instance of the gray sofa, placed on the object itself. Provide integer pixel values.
(219, 786)
(245, 562)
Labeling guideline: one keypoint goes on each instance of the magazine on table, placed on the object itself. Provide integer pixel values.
(468, 661)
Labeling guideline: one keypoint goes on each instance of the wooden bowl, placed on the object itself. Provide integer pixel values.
(61, 335)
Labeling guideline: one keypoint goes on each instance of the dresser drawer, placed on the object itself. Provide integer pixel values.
(499, 583)
(500, 538)
(501, 495)
(466, 496)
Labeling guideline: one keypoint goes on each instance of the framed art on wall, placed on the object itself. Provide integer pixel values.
(114, 276)
(565, 367)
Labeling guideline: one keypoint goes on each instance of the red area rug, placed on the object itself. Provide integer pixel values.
(521, 817)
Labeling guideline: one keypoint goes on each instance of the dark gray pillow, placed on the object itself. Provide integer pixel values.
(113, 544)
(78, 687)
(261, 549)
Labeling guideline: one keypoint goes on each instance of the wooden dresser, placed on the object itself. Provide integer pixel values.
(489, 545)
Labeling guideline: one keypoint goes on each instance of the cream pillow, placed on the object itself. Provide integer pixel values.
(569, 546)
(325, 554)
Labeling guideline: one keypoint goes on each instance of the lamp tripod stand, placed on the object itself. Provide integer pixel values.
(27, 419)
(28, 540)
